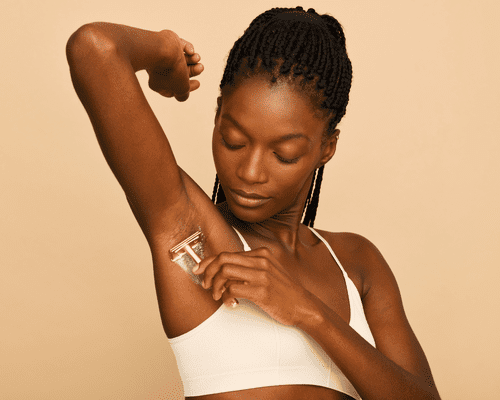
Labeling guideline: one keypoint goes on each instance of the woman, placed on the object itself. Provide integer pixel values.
(318, 314)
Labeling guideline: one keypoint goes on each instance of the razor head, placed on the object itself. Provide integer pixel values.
(188, 253)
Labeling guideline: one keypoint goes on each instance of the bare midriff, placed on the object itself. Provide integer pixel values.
(289, 392)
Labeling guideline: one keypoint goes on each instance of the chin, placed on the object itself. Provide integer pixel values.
(251, 215)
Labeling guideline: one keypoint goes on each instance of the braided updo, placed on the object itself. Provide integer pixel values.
(305, 48)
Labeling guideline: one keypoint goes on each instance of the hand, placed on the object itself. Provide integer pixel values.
(171, 78)
(257, 276)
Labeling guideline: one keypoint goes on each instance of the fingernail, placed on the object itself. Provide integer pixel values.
(234, 303)
(196, 268)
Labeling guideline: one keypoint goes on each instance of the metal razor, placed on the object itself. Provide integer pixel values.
(188, 253)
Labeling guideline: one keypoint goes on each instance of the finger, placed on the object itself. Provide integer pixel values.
(187, 47)
(166, 93)
(179, 78)
(231, 282)
(203, 265)
(181, 86)
(260, 252)
(216, 263)
(193, 85)
(192, 59)
(182, 97)
(229, 273)
(240, 291)
(266, 259)
(195, 70)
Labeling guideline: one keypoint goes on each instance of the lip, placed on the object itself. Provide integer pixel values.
(246, 199)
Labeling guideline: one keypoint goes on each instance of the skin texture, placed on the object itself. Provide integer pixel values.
(267, 141)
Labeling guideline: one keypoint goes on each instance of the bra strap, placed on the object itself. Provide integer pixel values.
(246, 247)
(331, 251)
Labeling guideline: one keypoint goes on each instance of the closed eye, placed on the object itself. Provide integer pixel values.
(287, 160)
(231, 146)
(239, 146)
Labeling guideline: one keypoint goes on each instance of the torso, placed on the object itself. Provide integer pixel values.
(323, 278)
(313, 267)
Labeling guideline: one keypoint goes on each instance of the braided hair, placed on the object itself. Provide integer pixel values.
(307, 49)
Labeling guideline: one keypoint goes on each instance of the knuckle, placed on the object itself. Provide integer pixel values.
(264, 277)
(221, 257)
(225, 269)
(265, 252)
(264, 263)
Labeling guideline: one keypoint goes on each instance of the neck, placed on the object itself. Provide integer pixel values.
(283, 228)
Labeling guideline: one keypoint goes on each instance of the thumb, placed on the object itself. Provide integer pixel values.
(180, 77)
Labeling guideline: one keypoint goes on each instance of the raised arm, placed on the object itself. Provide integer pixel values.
(103, 59)
(168, 205)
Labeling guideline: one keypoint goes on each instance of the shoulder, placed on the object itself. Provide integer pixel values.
(382, 303)
(374, 280)
(361, 259)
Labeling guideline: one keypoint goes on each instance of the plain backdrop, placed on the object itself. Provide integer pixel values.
(416, 172)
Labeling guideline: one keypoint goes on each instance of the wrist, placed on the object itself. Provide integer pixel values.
(149, 49)
(310, 315)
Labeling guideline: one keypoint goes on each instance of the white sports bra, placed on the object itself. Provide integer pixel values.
(243, 347)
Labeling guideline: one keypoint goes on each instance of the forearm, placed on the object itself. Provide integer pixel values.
(373, 374)
(103, 59)
(141, 48)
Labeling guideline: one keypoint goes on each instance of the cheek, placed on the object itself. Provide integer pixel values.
(225, 162)
(222, 160)
(218, 154)
(291, 183)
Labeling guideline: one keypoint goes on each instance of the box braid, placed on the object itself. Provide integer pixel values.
(293, 43)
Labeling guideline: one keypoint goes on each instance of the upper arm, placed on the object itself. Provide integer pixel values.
(168, 205)
(126, 128)
(386, 317)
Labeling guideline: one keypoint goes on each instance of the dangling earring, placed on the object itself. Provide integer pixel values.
(216, 189)
(309, 196)
(218, 195)
(312, 206)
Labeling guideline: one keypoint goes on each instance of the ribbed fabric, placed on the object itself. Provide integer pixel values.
(243, 348)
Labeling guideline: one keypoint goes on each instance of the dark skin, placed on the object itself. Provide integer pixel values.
(267, 141)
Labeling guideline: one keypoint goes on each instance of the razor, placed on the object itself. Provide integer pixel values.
(188, 253)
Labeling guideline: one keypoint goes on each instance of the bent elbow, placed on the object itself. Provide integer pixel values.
(86, 44)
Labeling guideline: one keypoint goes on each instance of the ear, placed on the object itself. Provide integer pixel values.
(329, 148)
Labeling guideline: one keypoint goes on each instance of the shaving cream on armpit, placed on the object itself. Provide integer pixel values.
(188, 253)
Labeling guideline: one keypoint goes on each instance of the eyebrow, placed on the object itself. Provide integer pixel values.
(284, 138)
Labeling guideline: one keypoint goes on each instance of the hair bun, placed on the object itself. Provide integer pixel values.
(306, 44)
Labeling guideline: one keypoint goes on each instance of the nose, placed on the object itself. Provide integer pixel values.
(252, 168)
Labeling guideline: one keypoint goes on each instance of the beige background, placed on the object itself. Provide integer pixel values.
(416, 172)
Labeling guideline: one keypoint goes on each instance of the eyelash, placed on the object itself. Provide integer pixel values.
(281, 159)
(230, 147)
(287, 161)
